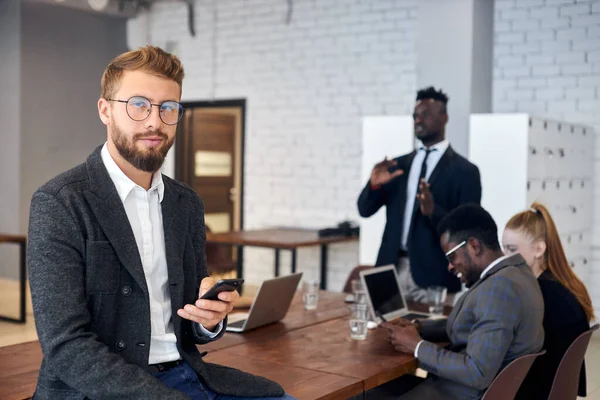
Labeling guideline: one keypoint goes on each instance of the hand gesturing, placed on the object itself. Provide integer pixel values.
(381, 174)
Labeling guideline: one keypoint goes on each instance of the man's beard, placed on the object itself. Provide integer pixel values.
(427, 136)
(149, 160)
(471, 274)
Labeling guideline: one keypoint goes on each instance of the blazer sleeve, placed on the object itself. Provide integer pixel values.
(56, 264)
(199, 240)
(434, 330)
(370, 200)
(469, 191)
(495, 314)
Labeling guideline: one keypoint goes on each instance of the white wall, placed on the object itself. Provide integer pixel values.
(483, 56)
(307, 85)
(454, 52)
(9, 129)
(52, 59)
(64, 52)
(547, 63)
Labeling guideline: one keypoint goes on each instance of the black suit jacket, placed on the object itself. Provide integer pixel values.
(453, 182)
(564, 321)
(90, 297)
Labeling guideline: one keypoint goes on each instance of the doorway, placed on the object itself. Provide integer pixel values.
(210, 159)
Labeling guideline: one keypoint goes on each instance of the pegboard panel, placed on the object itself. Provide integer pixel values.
(557, 171)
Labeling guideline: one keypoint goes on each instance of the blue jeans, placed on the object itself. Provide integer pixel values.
(184, 379)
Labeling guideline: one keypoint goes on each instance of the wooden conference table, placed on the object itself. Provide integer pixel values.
(309, 353)
(279, 239)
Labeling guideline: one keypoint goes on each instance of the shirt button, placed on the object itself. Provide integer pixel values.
(126, 290)
(120, 345)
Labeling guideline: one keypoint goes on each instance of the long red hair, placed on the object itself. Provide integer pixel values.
(539, 225)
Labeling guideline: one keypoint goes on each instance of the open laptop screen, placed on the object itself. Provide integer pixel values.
(384, 291)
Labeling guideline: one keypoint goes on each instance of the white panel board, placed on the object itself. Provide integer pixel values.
(383, 136)
(498, 145)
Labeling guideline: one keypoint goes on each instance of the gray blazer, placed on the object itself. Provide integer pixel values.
(497, 320)
(90, 298)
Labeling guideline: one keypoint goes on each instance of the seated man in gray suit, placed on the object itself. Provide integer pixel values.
(496, 321)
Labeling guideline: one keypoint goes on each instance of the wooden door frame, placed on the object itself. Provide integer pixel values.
(179, 150)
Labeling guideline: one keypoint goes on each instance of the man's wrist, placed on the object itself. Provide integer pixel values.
(417, 324)
(211, 333)
(374, 187)
(430, 214)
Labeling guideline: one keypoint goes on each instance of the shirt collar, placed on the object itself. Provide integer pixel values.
(125, 185)
(441, 147)
(492, 265)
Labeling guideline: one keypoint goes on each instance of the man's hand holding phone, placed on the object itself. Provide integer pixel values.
(209, 313)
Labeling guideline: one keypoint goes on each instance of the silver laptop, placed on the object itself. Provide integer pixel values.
(384, 295)
(270, 305)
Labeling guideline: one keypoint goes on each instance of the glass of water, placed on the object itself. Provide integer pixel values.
(310, 295)
(436, 296)
(358, 321)
(359, 292)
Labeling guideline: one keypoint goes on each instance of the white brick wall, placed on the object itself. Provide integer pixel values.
(558, 78)
(307, 85)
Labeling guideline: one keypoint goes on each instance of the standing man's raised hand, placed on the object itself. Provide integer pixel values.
(381, 174)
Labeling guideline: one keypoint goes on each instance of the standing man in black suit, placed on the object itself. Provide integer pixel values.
(418, 190)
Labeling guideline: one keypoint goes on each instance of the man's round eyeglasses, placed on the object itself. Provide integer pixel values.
(139, 108)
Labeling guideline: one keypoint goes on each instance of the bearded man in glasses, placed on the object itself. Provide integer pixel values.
(117, 262)
(496, 321)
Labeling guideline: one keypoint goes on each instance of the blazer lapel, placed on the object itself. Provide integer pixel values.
(402, 188)
(411, 157)
(442, 165)
(514, 260)
(175, 222)
(517, 259)
(108, 208)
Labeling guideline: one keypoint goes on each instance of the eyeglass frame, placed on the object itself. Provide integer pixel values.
(453, 250)
(180, 114)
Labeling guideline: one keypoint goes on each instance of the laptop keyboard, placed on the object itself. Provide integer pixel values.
(237, 324)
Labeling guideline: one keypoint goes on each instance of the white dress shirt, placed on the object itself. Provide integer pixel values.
(413, 180)
(483, 273)
(492, 265)
(145, 217)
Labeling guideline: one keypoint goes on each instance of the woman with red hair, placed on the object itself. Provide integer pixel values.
(568, 307)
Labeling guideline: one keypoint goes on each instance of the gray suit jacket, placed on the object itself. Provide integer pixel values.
(90, 298)
(497, 320)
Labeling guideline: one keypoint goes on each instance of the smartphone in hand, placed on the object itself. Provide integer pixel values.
(224, 285)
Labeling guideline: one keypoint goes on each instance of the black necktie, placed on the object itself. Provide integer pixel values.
(423, 173)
